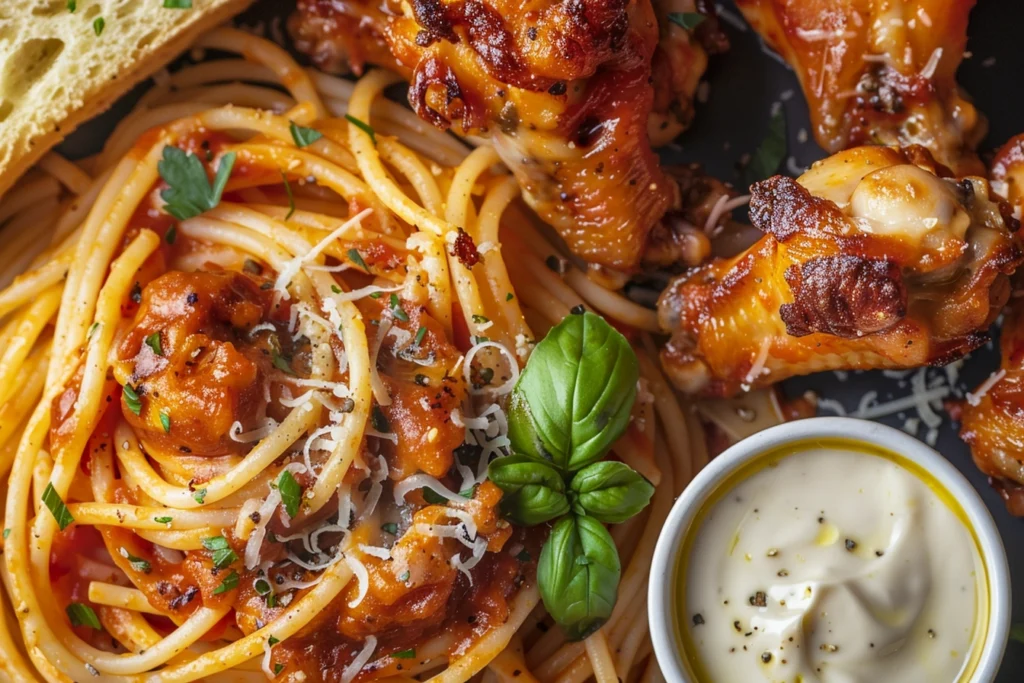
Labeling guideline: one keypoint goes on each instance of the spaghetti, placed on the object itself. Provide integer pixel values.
(250, 440)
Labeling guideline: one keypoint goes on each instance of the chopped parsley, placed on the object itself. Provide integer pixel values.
(404, 577)
(433, 497)
(291, 197)
(303, 136)
(389, 528)
(153, 342)
(278, 668)
(396, 308)
(291, 492)
(57, 508)
(131, 399)
(687, 20)
(200, 496)
(137, 563)
(7, 532)
(223, 556)
(404, 654)
(420, 333)
(379, 420)
(281, 363)
(272, 641)
(97, 25)
(230, 582)
(72, 6)
(509, 296)
(354, 256)
(163, 520)
(189, 192)
(178, 4)
(365, 127)
(92, 330)
(480, 319)
(82, 615)
(336, 289)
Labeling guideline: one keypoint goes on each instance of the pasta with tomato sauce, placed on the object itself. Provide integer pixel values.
(255, 379)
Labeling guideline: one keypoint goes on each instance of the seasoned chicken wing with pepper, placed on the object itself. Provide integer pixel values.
(880, 71)
(871, 259)
(992, 419)
(571, 92)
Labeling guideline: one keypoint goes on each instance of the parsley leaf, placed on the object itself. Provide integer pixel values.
(769, 154)
(230, 582)
(72, 6)
(291, 492)
(354, 256)
(291, 197)
(365, 127)
(281, 363)
(131, 399)
(178, 4)
(420, 333)
(82, 615)
(57, 508)
(304, 136)
(137, 563)
(272, 641)
(433, 497)
(200, 496)
(396, 308)
(163, 520)
(165, 422)
(509, 296)
(189, 192)
(687, 20)
(404, 654)
(278, 668)
(97, 25)
(153, 342)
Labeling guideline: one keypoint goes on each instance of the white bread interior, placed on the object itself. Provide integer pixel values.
(55, 72)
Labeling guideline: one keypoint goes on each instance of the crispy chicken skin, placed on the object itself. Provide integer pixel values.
(878, 71)
(992, 419)
(571, 93)
(871, 259)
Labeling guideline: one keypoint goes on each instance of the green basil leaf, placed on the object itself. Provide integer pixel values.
(534, 492)
(81, 614)
(610, 491)
(578, 574)
(575, 395)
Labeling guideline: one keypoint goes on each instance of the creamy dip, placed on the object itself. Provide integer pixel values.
(831, 562)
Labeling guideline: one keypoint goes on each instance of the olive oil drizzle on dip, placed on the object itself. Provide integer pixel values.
(832, 561)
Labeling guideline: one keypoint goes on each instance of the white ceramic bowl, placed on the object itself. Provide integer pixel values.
(661, 598)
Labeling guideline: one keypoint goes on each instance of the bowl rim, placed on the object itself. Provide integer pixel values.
(993, 553)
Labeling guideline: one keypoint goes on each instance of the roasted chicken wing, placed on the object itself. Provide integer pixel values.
(871, 259)
(571, 92)
(992, 418)
(878, 71)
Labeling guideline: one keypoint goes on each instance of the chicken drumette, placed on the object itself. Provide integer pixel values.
(882, 71)
(572, 93)
(871, 259)
(992, 418)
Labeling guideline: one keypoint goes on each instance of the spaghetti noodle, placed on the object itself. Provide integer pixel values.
(251, 440)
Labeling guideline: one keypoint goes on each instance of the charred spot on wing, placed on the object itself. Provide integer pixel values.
(782, 207)
(846, 296)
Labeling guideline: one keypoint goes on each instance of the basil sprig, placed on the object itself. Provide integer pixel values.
(571, 403)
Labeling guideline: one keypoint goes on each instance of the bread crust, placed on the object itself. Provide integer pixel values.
(22, 146)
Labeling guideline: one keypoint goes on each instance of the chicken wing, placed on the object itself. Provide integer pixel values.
(871, 259)
(992, 418)
(564, 88)
(878, 71)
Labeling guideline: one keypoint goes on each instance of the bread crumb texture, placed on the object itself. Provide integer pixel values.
(55, 71)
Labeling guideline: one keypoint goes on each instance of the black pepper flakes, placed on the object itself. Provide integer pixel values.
(698, 619)
(759, 599)
(766, 657)
(851, 545)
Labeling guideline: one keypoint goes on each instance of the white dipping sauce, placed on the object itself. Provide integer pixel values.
(832, 564)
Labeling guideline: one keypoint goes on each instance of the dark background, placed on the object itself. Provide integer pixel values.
(745, 83)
